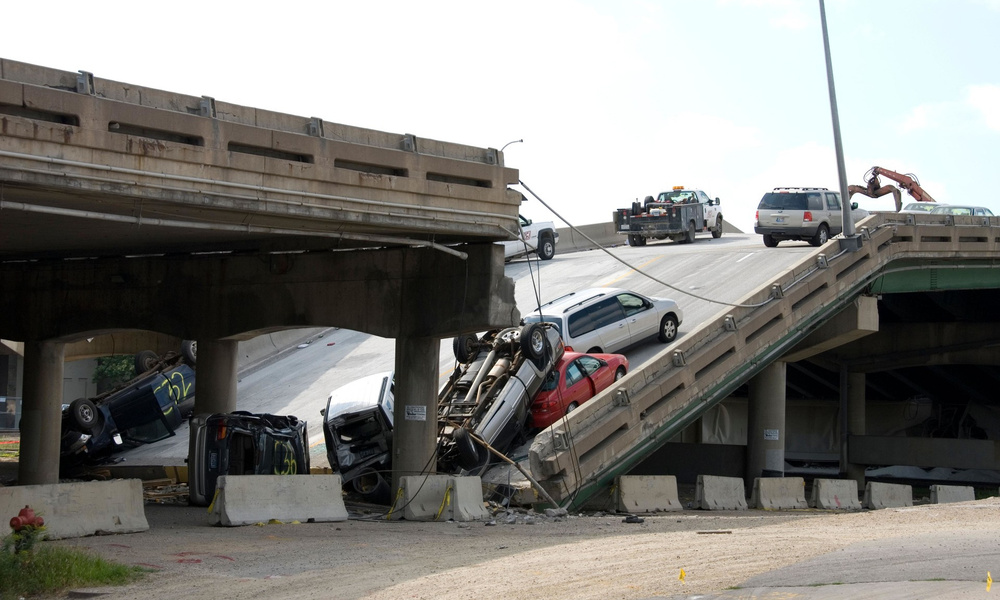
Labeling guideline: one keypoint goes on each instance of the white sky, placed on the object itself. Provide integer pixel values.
(615, 100)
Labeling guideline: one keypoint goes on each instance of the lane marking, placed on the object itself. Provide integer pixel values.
(746, 257)
(630, 271)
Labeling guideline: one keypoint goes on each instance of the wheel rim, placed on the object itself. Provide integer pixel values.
(537, 341)
(669, 329)
(86, 414)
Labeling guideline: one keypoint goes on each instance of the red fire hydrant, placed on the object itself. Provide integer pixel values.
(26, 518)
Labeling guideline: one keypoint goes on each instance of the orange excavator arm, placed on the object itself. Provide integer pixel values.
(875, 189)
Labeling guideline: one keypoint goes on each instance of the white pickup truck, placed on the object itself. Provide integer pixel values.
(536, 238)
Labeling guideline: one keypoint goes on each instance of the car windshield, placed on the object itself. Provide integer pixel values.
(678, 197)
(952, 210)
(921, 206)
(786, 201)
(551, 381)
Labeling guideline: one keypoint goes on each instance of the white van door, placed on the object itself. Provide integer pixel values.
(610, 325)
(640, 316)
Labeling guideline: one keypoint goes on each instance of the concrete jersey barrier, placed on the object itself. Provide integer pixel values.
(439, 498)
(250, 499)
(778, 492)
(942, 494)
(713, 492)
(80, 508)
(887, 495)
(647, 493)
(835, 494)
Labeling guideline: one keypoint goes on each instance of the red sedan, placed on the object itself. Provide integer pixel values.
(576, 378)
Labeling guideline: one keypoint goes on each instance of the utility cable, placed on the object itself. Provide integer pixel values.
(637, 269)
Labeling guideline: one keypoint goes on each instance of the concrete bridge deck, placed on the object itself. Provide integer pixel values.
(92, 166)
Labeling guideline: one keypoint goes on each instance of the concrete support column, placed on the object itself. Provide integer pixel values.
(766, 424)
(215, 380)
(41, 417)
(415, 413)
(855, 425)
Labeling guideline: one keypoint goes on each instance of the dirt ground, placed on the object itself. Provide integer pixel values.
(516, 555)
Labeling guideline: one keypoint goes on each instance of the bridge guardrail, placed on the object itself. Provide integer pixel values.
(612, 432)
(74, 131)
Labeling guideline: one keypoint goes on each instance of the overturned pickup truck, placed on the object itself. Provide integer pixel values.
(146, 409)
(486, 400)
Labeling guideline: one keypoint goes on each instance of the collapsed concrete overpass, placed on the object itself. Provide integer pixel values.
(127, 208)
(838, 319)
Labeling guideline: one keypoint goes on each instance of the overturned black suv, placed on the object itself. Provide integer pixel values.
(243, 443)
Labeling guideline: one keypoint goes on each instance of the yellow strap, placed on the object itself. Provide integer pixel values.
(399, 494)
(211, 504)
(444, 502)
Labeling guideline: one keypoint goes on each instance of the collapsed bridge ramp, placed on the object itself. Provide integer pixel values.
(613, 432)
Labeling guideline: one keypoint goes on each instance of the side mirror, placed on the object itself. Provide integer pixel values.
(711, 202)
(718, 202)
(854, 206)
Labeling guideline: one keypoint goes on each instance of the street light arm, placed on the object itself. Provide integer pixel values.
(509, 143)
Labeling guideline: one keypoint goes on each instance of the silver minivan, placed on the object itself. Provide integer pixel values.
(605, 320)
(810, 214)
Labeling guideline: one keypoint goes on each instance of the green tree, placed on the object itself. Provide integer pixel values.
(112, 371)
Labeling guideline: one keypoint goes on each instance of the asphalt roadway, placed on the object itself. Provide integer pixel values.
(368, 557)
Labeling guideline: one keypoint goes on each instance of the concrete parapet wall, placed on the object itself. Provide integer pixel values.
(647, 493)
(778, 492)
(250, 499)
(439, 498)
(82, 508)
(258, 350)
(942, 494)
(720, 493)
(602, 233)
(887, 495)
(835, 494)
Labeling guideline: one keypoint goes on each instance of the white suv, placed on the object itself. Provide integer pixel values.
(605, 320)
(811, 214)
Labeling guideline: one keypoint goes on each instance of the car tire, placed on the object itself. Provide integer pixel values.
(465, 347)
(668, 329)
(84, 413)
(546, 247)
(145, 360)
(572, 406)
(689, 236)
(595, 350)
(769, 241)
(533, 341)
(822, 236)
(619, 373)
(469, 456)
(648, 200)
(189, 350)
(633, 240)
(717, 230)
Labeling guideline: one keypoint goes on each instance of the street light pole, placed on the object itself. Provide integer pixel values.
(853, 242)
